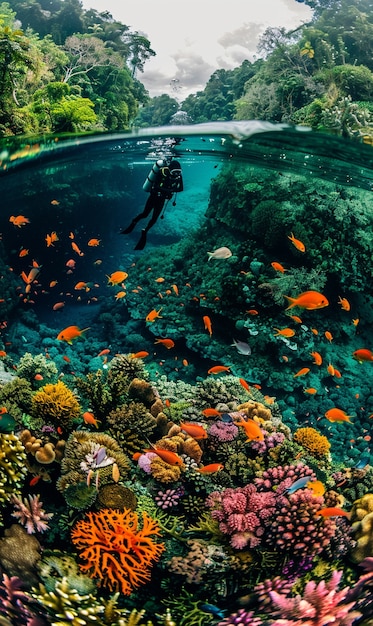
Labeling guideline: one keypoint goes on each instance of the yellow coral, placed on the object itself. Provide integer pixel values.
(12, 465)
(362, 527)
(57, 403)
(164, 472)
(255, 410)
(311, 440)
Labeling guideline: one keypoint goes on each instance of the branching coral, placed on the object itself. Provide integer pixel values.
(16, 606)
(31, 514)
(115, 550)
(56, 403)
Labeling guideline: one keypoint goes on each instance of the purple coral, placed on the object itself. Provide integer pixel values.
(169, 498)
(242, 513)
(271, 440)
(281, 478)
(241, 618)
(31, 514)
(223, 431)
(16, 607)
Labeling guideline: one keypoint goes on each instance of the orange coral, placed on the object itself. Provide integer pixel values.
(316, 444)
(115, 550)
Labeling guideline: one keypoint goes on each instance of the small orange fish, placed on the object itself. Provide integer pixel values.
(53, 283)
(19, 220)
(284, 332)
(167, 456)
(23, 252)
(116, 278)
(194, 430)
(34, 481)
(82, 285)
(278, 267)
(212, 468)
(167, 343)
(328, 335)
(297, 243)
(302, 372)
(50, 239)
(70, 333)
(176, 289)
(140, 355)
(330, 369)
(120, 295)
(310, 390)
(244, 384)
(38, 377)
(66, 358)
(317, 358)
(211, 413)
(55, 202)
(363, 354)
(185, 362)
(314, 331)
(207, 324)
(76, 248)
(337, 373)
(309, 300)
(252, 312)
(104, 352)
(337, 415)
(153, 315)
(2, 353)
(296, 319)
(89, 418)
(70, 264)
(344, 303)
(218, 369)
(355, 321)
(252, 429)
(333, 511)
(160, 279)
(58, 306)
(94, 242)
(317, 487)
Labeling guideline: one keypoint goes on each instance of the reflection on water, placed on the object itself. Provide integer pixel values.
(268, 214)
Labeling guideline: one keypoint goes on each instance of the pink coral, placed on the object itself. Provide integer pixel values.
(223, 431)
(31, 514)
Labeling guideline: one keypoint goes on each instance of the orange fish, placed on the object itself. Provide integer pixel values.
(50, 239)
(297, 243)
(104, 352)
(252, 312)
(117, 277)
(344, 303)
(167, 343)
(363, 354)
(194, 430)
(333, 511)
(140, 355)
(355, 321)
(53, 283)
(2, 353)
(89, 418)
(82, 285)
(30, 277)
(70, 333)
(207, 324)
(317, 487)
(314, 331)
(175, 288)
(244, 384)
(153, 315)
(309, 300)
(71, 264)
(66, 358)
(167, 456)
(159, 280)
(34, 481)
(211, 413)
(58, 305)
(55, 202)
(330, 369)
(317, 358)
(284, 332)
(212, 468)
(19, 220)
(23, 252)
(337, 415)
(278, 267)
(120, 295)
(337, 373)
(328, 335)
(38, 377)
(185, 362)
(94, 242)
(218, 369)
(296, 319)
(302, 372)
(310, 390)
(252, 429)
(76, 248)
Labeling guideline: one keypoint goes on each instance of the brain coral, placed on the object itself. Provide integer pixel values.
(56, 403)
(310, 439)
(115, 550)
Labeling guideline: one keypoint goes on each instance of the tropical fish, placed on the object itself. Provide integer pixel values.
(117, 277)
(220, 253)
(176, 289)
(194, 430)
(328, 335)
(89, 418)
(30, 277)
(167, 456)
(207, 324)
(311, 390)
(363, 354)
(139, 355)
(94, 242)
(284, 332)
(244, 384)
(330, 369)
(344, 303)
(82, 285)
(317, 358)
(252, 312)
(297, 243)
(296, 319)
(104, 352)
(278, 267)
(309, 300)
(120, 295)
(211, 413)
(23, 252)
(167, 343)
(242, 347)
(302, 372)
(317, 487)
(153, 315)
(218, 369)
(159, 280)
(70, 333)
(38, 377)
(333, 511)
(363, 461)
(58, 306)
(300, 483)
(54, 202)
(214, 610)
(252, 429)
(212, 468)
(337, 415)
(19, 220)
(76, 248)
(70, 264)
(50, 239)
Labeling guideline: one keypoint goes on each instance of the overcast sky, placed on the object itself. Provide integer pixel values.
(194, 38)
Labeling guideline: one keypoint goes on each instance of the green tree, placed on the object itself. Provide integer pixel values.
(158, 112)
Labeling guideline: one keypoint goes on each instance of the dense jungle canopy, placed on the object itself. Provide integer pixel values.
(66, 69)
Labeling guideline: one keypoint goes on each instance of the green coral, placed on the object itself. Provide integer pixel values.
(30, 365)
(132, 425)
(70, 607)
(104, 389)
(57, 565)
(12, 466)
(16, 396)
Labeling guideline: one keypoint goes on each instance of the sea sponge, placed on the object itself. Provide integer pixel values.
(115, 550)
(362, 527)
(164, 472)
(56, 403)
(19, 553)
(142, 391)
(114, 496)
(311, 440)
(255, 410)
(132, 425)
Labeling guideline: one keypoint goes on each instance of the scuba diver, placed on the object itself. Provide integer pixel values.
(163, 181)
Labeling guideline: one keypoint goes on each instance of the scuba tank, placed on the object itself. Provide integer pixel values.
(153, 175)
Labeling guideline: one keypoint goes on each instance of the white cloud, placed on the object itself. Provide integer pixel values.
(193, 39)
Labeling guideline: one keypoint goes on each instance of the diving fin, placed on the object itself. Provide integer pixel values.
(129, 229)
(142, 241)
